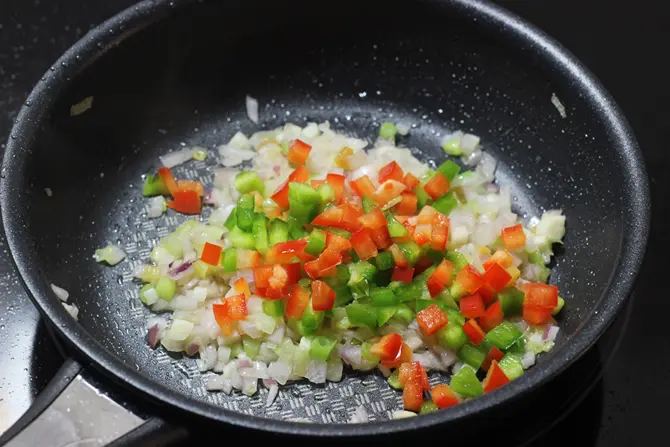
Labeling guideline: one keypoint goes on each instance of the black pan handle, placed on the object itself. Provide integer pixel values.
(72, 410)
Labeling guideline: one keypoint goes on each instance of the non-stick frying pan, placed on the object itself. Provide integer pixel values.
(167, 73)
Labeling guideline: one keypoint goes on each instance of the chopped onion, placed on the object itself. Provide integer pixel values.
(413, 339)
(111, 254)
(179, 330)
(272, 394)
(157, 206)
(402, 128)
(528, 359)
(384, 370)
(429, 361)
(60, 293)
(316, 371)
(216, 383)
(360, 416)
(531, 272)
(181, 271)
(280, 372)
(172, 159)
(252, 108)
(402, 414)
(257, 370)
(233, 156)
(153, 336)
(550, 333)
(334, 371)
(249, 386)
(72, 310)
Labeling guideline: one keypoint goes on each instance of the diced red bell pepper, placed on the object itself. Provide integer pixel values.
(391, 172)
(410, 181)
(413, 372)
(344, 217)
(226, 324)
(493, 354)
(388, 191)
(422, 264)
(285, 252)
(168, 179)
(502, 257)
(404, 274)
(193, 185)
(336, 181)
(262, 275)
(337, 243)
(323, 265)
(294, 272)
(297, 302)
(423, 233)
(487, 293)
(373, 220)
(405, 355)
(241, 286)
(363, 245)
(246, 258)
(513, 237)
(496, 276)
(426, 216)
(474, 332)
(472, 306)
(408, 203)
(492, 317)
(300, 175)
(495, 378)
(440, 234)
(323, 297)
(381, 237)
(431, 319)
(185, 201)
(279, 277)
(440, 278)
(273, 294)
(211, 253)
(398, 256)
(388, 347)
(469, 279)
(437, 186)
(363, 186)
(535, 315)
(298, 152)
(412, 396)
(443, 396)
(237, 307)
(541, 295)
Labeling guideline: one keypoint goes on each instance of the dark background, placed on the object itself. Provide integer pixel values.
(622, 42)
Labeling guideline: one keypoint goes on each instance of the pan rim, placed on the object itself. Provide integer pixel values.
(147, 12)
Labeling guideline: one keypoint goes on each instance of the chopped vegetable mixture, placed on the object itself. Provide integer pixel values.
(322, 254)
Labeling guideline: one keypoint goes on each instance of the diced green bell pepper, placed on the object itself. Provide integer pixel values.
(422, 196)
(504, 335)
(245, 212)
(231, 221)
(535, 257)
(311, 320)
(411, 250)
(366, 354)
(413, 291)
(273, 308)
(388, 130)
(511, 301)
(305, 283)
(248, 181)
(394, 381)
(472, 355)
(449, 169)
(384, 260)
(154, 186)
(235, 350)
(427, 406)
(559, 306)
(404, 313)
(384, 314)
(322, 347)
(396, 229)
(304, 202)
(446, 204)
(511, 365)
(327, 194)
(382, 296)
(369, 205)
(362, 315)
(453, 147)
(446, 298)
(166, 288)
(454, 316)
(316, 242)
(466, 383)
(296, 229)
(251, 346)
(229, 260)
(278, 231)
(452, 336)
(260, 232)
(459, 260)
(242, 239)
(343, 295)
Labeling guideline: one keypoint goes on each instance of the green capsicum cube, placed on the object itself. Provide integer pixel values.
(322, 347)
(362, 315)
(504, 335)
(446, 204)
(466, 383)
(316, 242)
(511, 365)
(472, 355)
(278, 231)
(248, 181)
(449, 169)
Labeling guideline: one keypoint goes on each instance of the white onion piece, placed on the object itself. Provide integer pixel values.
(218, 383)
(413, 339)
(272, 394)
(179, 330)
(278, 335)
(402, 414)
(111, 254)
(528, 359)
(156, 207)
(316, 371)
(60, 293)
(334, 371)
(172, 159)
(280, 372)
(233, 156)
(258, 370)
(360, 416)
(429, 361)
(249, 386)
(384, 370)
(469, 143)
(72, 310)
(550, 333)
(252, 108)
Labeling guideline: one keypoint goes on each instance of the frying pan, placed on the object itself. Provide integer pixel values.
(163, 74)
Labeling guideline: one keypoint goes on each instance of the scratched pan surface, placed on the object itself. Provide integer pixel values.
(163, 75)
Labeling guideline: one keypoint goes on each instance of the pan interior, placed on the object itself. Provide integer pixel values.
(183, 82)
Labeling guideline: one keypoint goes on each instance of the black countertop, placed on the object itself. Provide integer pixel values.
(619, 41)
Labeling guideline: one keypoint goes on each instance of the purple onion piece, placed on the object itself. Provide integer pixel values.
(152, 336)
(267, 383)
(182, 268)
(192, 349)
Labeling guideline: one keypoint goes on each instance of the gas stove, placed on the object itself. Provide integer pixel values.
(608, 398)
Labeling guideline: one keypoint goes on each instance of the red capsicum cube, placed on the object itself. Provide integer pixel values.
(496, 276)
(501, 257)
(381, 237)
(412, 396)
(336, 181)
(241, 286)
(440, 234)
(344, 216)
(411, 181)
(211, 254)
(300, 175)
(437, 186)
(413, 372)
(513, 237)
(443, 396)
(185, 201)
(405, 355)
(535, 315)
(168, 179)
(541, 295)
(297, 302)
(408, 204)
(388, 347)
(363, 186)
(285, 252)
(388, 191)
(495, 378)
(494, 354)
(298, 152)
(323, 265)
(226, 324)
(469, 279)
(474, 332)
(440, 278)
(363, 245)
(323, 297)
(404, 274)
(431, 319)
(472, 306)
(492, 317)
(373, 220)
(337, 243)
(391, 172)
